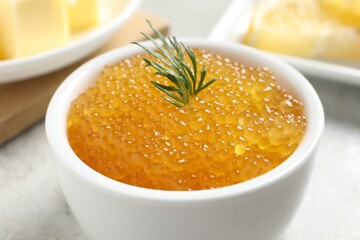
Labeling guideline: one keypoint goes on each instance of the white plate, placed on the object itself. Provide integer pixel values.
(113, 16)
(234, 23)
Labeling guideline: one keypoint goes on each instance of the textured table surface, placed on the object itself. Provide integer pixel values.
(32, 206)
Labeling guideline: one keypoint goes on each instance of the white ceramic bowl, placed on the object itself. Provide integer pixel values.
(258, 209)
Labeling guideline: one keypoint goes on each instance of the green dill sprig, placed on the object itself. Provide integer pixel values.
(170, 63)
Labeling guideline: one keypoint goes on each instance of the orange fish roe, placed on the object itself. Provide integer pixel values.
(238, 128)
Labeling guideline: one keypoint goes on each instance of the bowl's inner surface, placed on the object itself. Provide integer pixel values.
(287, 77)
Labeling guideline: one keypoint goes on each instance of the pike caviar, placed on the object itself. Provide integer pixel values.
(240, 127)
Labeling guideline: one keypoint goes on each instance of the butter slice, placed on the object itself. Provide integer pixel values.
(303, 29)
(32, 26)
(348, 11)
(2, 54)
(83, 14)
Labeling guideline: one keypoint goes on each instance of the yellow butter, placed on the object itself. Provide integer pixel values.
(83, 14)
(301, 28)
(32, 26)
(2, 54)
(348, 11)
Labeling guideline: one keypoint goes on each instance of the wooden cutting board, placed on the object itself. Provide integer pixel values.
(24, 103)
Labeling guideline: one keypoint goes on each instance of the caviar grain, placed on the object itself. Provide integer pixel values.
(240, 127)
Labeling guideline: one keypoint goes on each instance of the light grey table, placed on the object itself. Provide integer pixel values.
(32, 206)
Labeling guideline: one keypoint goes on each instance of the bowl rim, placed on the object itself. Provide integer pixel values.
(75, 84)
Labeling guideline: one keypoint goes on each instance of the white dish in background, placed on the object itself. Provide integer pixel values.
(113, 15)
(234, 23)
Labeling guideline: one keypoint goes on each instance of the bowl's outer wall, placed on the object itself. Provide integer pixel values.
(258, 215)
